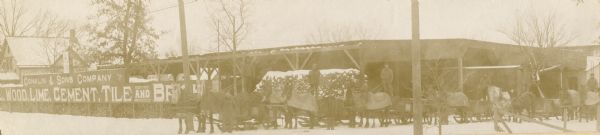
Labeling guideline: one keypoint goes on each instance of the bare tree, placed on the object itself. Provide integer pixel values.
(533, 32)
(51, 25)
(18, 20)
(53, 49)
(13, 18)
(230, 23)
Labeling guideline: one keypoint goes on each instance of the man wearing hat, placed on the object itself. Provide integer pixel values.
(591, 86)
(387, 77)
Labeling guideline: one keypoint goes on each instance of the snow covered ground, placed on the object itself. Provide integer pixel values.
(49, 124)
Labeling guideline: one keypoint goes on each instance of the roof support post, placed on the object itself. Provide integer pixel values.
(199, 73)
(290, 63)
(156, 70)
(297, 60)
(306, 60)
(461, 74)
(353, 60)
(164, 69)
(191, 66)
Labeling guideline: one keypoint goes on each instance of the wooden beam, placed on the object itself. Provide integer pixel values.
(237, 66)
(297, 60)
(257, 53)
(158, 71)
(352, 59)
(205, 70)
(199, 72)
(272, 53)
(289, 62)
(155, 69)
(489, 67)
(191, 66)
(164, 69)
(461, 77)
(549, 68)
(306, 60)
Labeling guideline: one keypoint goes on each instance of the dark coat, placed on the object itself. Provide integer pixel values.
(387, 75)
(314, 77)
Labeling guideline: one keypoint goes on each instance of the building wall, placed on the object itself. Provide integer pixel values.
(595, 52)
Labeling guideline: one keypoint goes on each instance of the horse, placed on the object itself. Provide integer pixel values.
(299, 104)
(185, 109)
(368, 105)
(523, 102)
(235, 111)
(332, 108)
(571, 101)
(589, 106)
(458, 102)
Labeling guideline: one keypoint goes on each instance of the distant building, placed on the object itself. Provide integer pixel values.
(591, 50)
(592, 60)
(442, 59)
(29, 55)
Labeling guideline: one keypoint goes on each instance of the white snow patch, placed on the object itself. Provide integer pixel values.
(301, 73)
(10, 85)
(49, 124)
(9, 76)
(138, 80)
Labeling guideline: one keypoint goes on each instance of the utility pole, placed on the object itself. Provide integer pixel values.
(184, 50)
(126, 35)
(416, 70)
(187, 91)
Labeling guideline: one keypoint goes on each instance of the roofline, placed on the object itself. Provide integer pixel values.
(351, 44)
(579, 46)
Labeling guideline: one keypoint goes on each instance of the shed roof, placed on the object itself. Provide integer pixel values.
(477, 53)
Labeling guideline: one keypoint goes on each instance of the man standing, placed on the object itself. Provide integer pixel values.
(387, 77)
(313, 79)
(591, 86)
(592, 83)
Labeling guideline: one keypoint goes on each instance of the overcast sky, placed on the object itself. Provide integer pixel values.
(289, 22)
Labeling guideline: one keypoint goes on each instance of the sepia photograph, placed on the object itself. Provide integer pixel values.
(299, 67)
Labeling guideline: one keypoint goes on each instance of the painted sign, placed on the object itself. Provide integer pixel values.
(140, 92)
(101, 77)
(105, 86)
